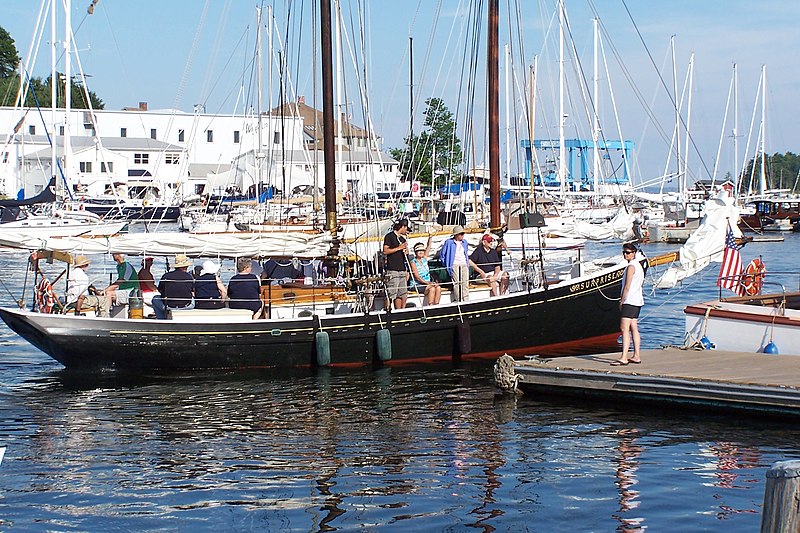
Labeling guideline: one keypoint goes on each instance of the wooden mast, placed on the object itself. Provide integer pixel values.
(494, 121)
(328, 145)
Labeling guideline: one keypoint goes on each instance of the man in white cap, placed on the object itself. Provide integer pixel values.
(77, 292)
(455, 257)
(176, 288)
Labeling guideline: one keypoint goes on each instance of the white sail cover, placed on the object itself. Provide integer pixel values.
(707, 242)
(238, 244)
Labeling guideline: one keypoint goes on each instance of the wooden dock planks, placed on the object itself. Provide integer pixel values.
(711, 378)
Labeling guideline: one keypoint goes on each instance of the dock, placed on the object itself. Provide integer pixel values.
(708, 379)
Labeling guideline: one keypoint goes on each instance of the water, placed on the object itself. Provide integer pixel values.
(431, 448)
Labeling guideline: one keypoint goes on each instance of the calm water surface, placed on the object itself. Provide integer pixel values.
(432, 448)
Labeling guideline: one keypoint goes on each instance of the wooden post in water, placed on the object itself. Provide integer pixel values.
(781, 512)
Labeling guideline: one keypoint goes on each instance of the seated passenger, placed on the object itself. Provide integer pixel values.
(209, 292)
(421, 274)
(120, 291)
(487, 262)
(176, 288)
(77, 293)
(244, 289)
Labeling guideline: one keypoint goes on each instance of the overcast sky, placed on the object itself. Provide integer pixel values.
(178, 53)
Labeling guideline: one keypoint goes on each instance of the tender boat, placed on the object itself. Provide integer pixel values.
(767, 323)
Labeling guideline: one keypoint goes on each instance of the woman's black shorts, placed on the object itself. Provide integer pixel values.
(630, 311)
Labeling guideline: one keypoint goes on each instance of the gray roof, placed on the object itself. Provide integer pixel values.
(204, 169)
(110, 143)
(353, 156)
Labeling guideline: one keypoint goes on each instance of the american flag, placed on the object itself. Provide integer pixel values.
(731, 269)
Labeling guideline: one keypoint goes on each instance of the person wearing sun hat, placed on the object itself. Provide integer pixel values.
(421, 274)
(209, 292)
(176, 288)
(455, 257)
(78, 287)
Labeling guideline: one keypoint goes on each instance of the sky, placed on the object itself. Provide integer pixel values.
(181, 53)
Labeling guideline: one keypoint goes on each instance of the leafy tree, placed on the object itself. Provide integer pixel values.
(39, 91)
(8, 54)
(440, 133)
(782, 172)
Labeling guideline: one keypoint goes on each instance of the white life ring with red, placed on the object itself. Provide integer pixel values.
(45, 296)
(753, 277)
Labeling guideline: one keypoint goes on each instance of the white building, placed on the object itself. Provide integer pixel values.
(180, 151)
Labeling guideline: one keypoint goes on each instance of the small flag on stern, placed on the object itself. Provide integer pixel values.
(731, 269)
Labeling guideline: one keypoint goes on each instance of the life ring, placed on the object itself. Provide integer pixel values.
(45, 296)
(753, 277)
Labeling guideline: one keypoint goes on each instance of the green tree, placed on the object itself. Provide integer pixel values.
(8, 54)
(782, 172)
(39, 91)
(439, 136)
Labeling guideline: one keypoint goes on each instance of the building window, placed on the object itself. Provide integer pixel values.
(32, 130)
(141, 159)
(352, 167)
(387, 167)
(5, 157)
(181, 135)
(172, 159)
(123, 132)
(235, 136)
(86, 167)
(378, 186)
(107, 168)
(152, 133)
(276, 138)
(61, 130)
(210, 136)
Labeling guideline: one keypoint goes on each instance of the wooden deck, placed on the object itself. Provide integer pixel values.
(730, 381)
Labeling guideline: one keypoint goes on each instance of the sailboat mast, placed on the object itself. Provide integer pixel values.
(596, 111)
(562, 150)
(53, 98)
(257, 153)
(411, 108)
(494, 120)
(762, 184)
(737, 176)
(327, 115)
(67, 91)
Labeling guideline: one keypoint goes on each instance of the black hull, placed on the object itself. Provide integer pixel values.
(157, 213)
(579, 318)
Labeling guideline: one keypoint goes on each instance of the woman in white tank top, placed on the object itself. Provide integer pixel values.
(630, 304)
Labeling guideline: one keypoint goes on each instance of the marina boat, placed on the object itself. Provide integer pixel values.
(767, 323)
(569, 316)
(770, 215)
(39, 217)
(131, 209)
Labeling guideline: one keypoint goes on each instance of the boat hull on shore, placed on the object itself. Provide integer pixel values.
(578, 316)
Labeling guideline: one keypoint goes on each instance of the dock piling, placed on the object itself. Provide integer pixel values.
(781, 512)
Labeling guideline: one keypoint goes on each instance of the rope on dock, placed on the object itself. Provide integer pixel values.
(504, 375)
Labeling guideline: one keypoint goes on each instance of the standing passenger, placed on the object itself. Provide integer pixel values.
(630, 303)
(395, 248)
(455, 257)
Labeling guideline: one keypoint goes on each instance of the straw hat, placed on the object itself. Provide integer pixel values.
(81, 260)
(182, 261)
(209, 267)
(458, 229)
